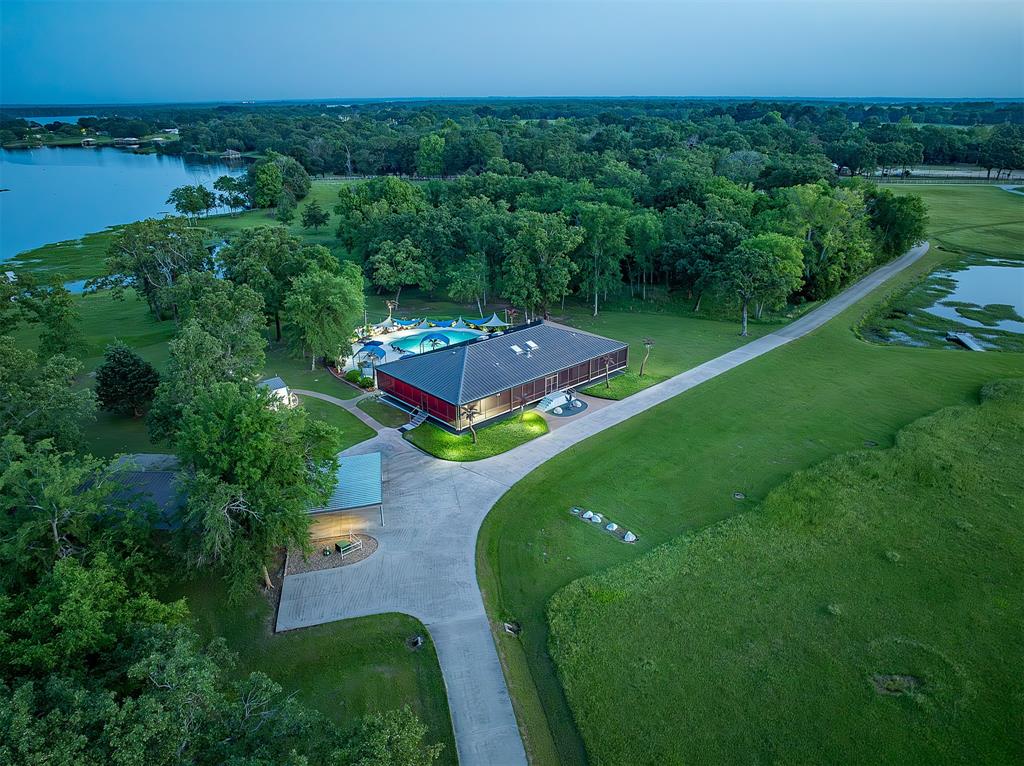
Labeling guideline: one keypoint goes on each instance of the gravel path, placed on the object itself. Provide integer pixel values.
(425, 565)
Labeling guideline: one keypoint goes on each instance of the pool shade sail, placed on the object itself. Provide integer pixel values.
(376, 351)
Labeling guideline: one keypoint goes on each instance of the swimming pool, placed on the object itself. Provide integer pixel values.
(412, 341)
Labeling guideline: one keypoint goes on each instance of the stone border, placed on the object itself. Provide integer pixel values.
(297, 564)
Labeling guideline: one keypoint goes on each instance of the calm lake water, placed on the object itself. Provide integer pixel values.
(54, 194)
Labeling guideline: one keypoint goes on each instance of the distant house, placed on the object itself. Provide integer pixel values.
(88, 142)
(230, 154)
(279, 391)
(170, 131)
(126, 141)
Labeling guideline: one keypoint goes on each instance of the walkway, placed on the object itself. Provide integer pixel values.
(425, 565)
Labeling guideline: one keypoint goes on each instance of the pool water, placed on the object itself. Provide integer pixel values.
(412, 342)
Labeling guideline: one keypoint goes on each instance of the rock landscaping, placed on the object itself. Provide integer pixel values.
(623, 535)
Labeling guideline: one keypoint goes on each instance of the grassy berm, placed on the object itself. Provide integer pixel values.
(868, 611)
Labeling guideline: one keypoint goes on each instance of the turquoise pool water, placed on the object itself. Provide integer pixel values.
(412, 342)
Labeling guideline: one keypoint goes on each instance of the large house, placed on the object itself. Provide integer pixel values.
(497, 374)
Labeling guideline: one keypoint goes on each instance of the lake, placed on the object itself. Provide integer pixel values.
(55, 194)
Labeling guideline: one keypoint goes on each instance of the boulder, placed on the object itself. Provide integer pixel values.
(629, 537)
(557, 410)
(588, 515)
(596, 518)
(612, 527)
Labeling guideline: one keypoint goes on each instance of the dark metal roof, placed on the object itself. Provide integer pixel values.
(475, 369)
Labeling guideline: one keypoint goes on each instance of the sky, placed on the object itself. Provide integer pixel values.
(138, 51)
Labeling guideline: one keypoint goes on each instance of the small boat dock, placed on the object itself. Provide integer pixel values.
(965, 339)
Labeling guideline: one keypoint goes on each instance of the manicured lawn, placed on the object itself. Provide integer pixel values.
(868, 611)
(621, 386)
(673, 469)
(491, 440)
(295, 371)
(385, 414)
(343, 669)
(353, 429)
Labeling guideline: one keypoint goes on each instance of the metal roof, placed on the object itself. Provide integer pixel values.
(358, 483)
(274, 384)
(475, 369)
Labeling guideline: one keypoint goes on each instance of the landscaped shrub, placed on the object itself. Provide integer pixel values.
(366, 382)
(353, 376)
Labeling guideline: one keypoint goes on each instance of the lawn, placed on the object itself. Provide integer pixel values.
(875, 595)
(621, 386)
(343, 669)
(385, 414)
(491, 440)
(674, 469)
(352, 428)
(296, 372)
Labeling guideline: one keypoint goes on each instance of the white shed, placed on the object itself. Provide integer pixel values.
(279, 392)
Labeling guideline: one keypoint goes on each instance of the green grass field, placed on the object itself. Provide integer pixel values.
(868, 611)
(343, 669)
(385, 414)
(491, 439)
(352, 428)
(674, 469)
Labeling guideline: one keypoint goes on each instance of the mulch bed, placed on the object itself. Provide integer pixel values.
(317, 561)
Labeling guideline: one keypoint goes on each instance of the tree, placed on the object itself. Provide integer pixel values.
(314, 216)
(231, 314)
(266, 183)
(324, 308)
(285, 212)
(54, 307)
(467, 281)
(125, 382)
(150, 256)
(232, 192)
(396, 265)
(267, 258)
(648, 345)
(430, 155)
(220, 340)
(766, 267)
(602, 248)
(394, 738)
(644, 234)
(251, 471)
(190, 201)
(470, 412)
(39, 401)
(898, 222)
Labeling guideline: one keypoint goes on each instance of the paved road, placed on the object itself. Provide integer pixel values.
(425, 565)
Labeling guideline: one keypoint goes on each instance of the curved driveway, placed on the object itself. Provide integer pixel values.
(425, 565)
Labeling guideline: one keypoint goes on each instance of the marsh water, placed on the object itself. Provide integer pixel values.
(993, 283)
(53, 194)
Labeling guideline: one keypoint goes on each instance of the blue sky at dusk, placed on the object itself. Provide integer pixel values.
(111, 52)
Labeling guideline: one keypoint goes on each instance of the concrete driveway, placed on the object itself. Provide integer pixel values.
(425, 565)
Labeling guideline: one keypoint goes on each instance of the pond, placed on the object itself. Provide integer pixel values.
(54, 194)
(989, 295)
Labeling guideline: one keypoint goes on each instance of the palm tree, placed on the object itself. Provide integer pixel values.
(510, 315)
(471, 412)
(392, 305)
(648, 345)
(608, 360)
